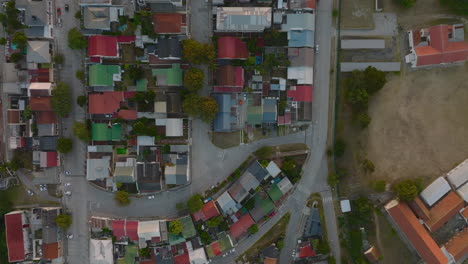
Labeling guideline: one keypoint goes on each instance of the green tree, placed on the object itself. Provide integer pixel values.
(407, 190)
(122, 198)
(375, 79)
(406, 3)
(63, 221)
(64, 145)
(202, 107)
(78, 14)
(193, 79)
(20, 39)
(215, 221)
(280, 244)
(253, 229)
(196, 52)
(264, 152)
(175, 227)
(368, 166)
(3, 41)
(205, 237)
(80, 130)
(145, 252)
(27, 113)
(80, 75)
(76, 40)
(58, 58)
(364, 120)
(82, 100)
(288, 165)
(135, 72)
(195, 203)
(61, 99)
(333, 178)
(10, 17)
(264, 163)
(339, 148)
(16, 57)
(335, 12)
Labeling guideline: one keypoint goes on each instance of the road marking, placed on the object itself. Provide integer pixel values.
(328, 199)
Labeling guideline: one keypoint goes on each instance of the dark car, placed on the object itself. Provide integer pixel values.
(59, 11)
(67, 7)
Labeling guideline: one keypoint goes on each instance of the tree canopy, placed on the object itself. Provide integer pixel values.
(407, 190)
(61, 99)
(196, 52)
(64, 145)
(59, 59)
(20, 39)
(195, 203)
(81, 100)
(193, 79)
(9, 18)
(80, 130)
(63, 221)
(215, 221)
(253, 229)
(203, 107)
(76, 40)
(122, 199)
(175, 227)
(144, 126)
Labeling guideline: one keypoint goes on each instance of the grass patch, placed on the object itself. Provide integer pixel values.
(273, 235)
(292, 147)
(226, 139)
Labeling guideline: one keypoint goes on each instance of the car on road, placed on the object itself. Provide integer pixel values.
(43, 187)
(207, 200)
(68, 193)
(59, 11)
(67, 173)
(67, 7)
(151, 197)
(67, 184)
(30, 192)
(316, 48)
(70, 236)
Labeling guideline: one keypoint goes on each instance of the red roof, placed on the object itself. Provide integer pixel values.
(52, 159)
(458, 245)
(232, 48)
(168, 23)
(284, 120)
(50, 251)
(118, 228)
(208, 211)
(46, 117)
(123, 228)
(302, 4)
(40, 104)
(14, 237)
(227, 89)
(306, 252)
(216, 248)
(102, 46)
(127, 114)
(132, 230)
(303, 93)
(241, 226)
(126, 39)
(440, 50)
(228, 75)
(182, 259)
(415, 232)
(444, 210)
(105, 102)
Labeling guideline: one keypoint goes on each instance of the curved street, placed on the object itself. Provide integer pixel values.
(209, 163)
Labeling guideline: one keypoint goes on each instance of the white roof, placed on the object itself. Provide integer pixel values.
(38, 52)
(285, 185)
(435, 191)
(40, 86)
(100, 251)
(198, 256)
(241, 19)
(98, 168)
(463, 192)
(160, 107)
(226, 203)
(174, 127)
(145, 141)
(273, 169)
(303, 75)
(458, 175)
(345, 206)
(148, 229)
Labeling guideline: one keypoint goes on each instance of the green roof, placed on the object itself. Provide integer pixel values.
(176, 239)
(275, 192)
(169, 76)
(189, 228)
(254, 115)
(102, 132)
(264, 203)
(141, 85)
(102, 75)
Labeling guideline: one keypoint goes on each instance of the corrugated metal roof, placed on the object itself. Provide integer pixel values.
(362, 43)
(436, 190)
(463, 192)
(458, 175)
(243, 18)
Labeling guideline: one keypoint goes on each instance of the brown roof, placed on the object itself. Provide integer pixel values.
(458, 245)
(419, 208)
(46, 117)
(168, 23)
(372, 254)
(50, 251)
(444, 210)
(228, 75)
(40, 104)
(465, 212)
(415, 232)
(14, 116)
(270, 261)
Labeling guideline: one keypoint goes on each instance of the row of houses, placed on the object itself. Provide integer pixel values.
(444, 201)
(265, 60)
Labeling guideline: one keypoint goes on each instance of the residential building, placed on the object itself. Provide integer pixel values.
(302, 4)
(301, 39)
(299, 21)
(100, 17)
(457, 247)
(227, 204)
(435, 191)
(101, 251)
(243, 19)
(313, 227)
(102, 77)
(169, 76)
(38, 52)
(208, 211)
(176, 169)
(17, 236)
(148, 231)
(98, 169)
(458, 175)
(37, 16)
(170, 23)
(104, 103)
(103, 47)
(240, 228)
(232, 48)
(125, 229)
(106, 132)
(437, 45)
(270, 255)
(229, 79)
(124, 170)
(169, 48)
(263, 206)
(227, 118)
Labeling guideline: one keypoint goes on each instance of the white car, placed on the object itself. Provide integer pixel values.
(67, 172)
(43, 187)
(151, 197)
(67, 184)
(30, 192)
(68, 193)
(316, 48)
(70, 236)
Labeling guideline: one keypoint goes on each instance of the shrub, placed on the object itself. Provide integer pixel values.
(253, 229)
(339, 148)
(16, 57)
(364, 120)
(333, 179)
(407, 190)
(81, 100)
(122, 198)
(64, 145)
(63, 221)
(175, 227)
(61, 99)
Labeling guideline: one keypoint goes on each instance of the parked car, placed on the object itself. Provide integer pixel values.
(43, 187)
(67, 172)
(68, 193)
(69, 236)
(59, 11)
(67, 184)
(151, 197)
(207, 200)
(316, 48)
(67, 7)
(30, 192)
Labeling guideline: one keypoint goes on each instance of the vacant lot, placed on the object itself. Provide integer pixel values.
(357, 14)
(418, 128)
(226, 139)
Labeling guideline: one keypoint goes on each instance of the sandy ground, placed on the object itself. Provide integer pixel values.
(357, 14)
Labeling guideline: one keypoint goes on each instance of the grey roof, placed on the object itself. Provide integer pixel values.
(174, 103)
(95, 2)
(97, 169)
(435, 191)
(34, 32)
(305, 111)
(49, 228)
(299, 57)
(257, 171)
(301, 38)
(243, 18)
(458, 175)
(177, 174)
(169, 48)
(222, 121)
(48, 143)
(270, 252)
(45, 129)
(313, 226)
(249, 181)
(382, 66)
(304, 21)
(227, 204)
(35, 12)
(148, 177)
(463, 192)
(96, 17)
(38, 52)
(238, 192)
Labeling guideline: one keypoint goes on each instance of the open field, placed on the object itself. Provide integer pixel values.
(418, 129)
(357, 14)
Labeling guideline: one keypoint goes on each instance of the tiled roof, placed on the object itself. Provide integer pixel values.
(46, 117)
(458, 245)
(208, 211)
(123, 228)
(104, 46)
(232, 48)
(306, 252)
(168, 23)
(302, 4)
(229, 75)
(127, 114)
(241, 226)
(444, 210)
(263, 206)
(105, 102)
(40, 103)
(275, 193)
(465, 212)
(50, 251)
(14, 237)
(415, 232)
(169, 76)
(102, 75)
(102, 132)
(52, 159)
(419, 208)
(302, 93)
(14, 116)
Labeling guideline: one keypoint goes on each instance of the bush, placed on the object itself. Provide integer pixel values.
(339, 148)
(58, 58)
(3, 41)
(407, 190)
(27, 113)
(80, 75)
(20, 39)
(64, 145)
(264, 152)
(145, 252)
(406, 3)
(122, 198)
(16, 57)
(63, 221)
(205, 237)
(81, 100)
(253, 229)
(379, 186)
(364, 120)
(195, 203)
(333, 179)
(175, 227)
(368, 166)
(61, 99)
(215, 221)
(76, 40)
